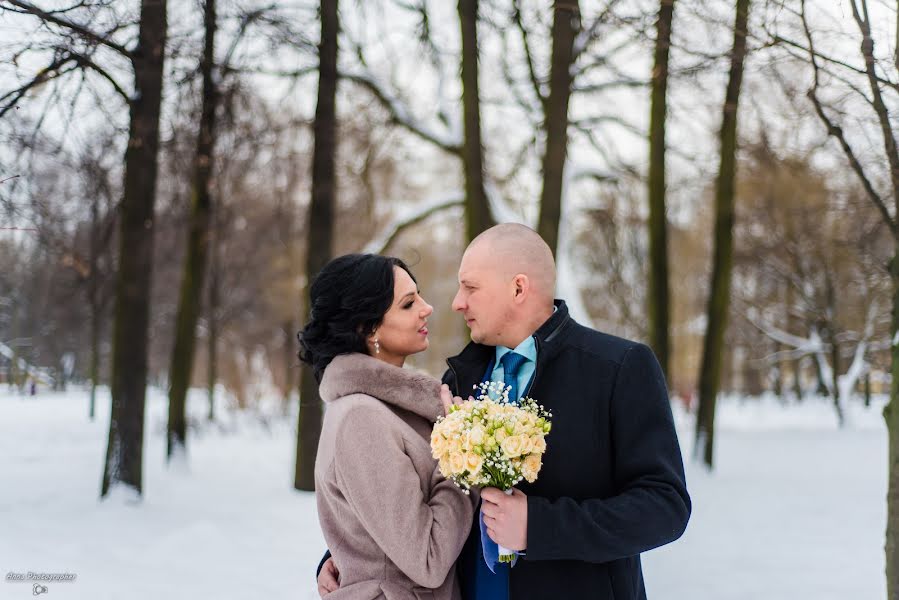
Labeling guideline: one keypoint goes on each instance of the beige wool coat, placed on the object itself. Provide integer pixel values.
(393, 524)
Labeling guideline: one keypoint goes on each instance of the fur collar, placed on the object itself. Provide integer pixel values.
(362, 374)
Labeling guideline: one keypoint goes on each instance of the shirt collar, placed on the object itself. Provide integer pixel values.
(527, 348)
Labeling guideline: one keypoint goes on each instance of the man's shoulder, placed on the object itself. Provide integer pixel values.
(598, 343)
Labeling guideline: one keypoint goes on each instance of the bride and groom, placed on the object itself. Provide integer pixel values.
(612, 484)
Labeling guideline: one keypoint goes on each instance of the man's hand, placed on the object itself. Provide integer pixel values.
(447, 398)
(327, 578)
(506, 517)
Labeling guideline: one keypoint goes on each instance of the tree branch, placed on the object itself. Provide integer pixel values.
(535, 83)
(841, 78)
(246, 20)
(46, 74)
(445, 106)
(606, 85)
(86, 62)
(801, 346)
(381, 242)
(889, 140)
(533, 110)
(584, 38)
(79, 29)
(400, 114)
(294, 74)
(778, 39)
(837, 132)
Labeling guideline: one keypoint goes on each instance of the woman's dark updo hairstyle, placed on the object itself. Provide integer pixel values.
(349, 298)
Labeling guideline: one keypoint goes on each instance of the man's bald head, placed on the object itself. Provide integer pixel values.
(518, 249)
(507, 281)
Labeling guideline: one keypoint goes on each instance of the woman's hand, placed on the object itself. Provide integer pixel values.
(447, 398)
(328, 578)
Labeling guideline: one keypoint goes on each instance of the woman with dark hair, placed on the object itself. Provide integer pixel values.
(393, 524)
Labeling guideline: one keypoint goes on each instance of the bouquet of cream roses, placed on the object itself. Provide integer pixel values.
(490, 442)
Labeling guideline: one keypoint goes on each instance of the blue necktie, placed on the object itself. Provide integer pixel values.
(495, 586)
(486, 583)
(511, 362)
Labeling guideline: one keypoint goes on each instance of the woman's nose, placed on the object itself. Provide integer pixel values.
(427, 310)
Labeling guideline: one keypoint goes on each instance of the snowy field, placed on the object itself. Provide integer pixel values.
(795, 508)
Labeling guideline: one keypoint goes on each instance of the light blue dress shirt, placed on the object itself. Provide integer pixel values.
(528, 349)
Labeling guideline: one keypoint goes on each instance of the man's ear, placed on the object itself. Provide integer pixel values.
(522, 286)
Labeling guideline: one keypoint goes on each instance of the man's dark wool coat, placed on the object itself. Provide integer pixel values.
(612, 483)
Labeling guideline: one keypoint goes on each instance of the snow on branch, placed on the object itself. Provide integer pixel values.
(578, 171)
(499, 208)
(381, 242)
(450, 141)
(20, 364)
(814, 346)
(801, 345)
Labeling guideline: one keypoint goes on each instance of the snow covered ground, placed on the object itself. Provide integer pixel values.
(795, 508)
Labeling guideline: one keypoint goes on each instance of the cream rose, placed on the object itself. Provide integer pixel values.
(527, 445)
(456, 463)
(531, 467)
(473, 462)
(477, 435)
(512, 446)
(438, 444)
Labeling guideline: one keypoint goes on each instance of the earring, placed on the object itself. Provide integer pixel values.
(377, 347)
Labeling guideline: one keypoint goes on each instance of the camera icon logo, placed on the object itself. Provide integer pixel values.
(39, 589)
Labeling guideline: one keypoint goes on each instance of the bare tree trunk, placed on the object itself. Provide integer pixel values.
(867, 389)
(212, 342)
(191, 294)
(834, 349)
(891, 415)
(94, 303)
(212, 323)
(14, 360)
(797, 362)
(835, 381)
(822, 389)
(722, 265)
(320, 228)
(95, 359)
(658, 298)
(477, 209)
(566, 24)
(797, 380)
(290, 361)
(779, 378)
(124, 451)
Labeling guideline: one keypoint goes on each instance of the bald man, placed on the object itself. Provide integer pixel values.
(612, 484)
